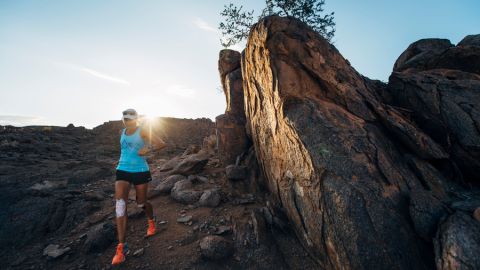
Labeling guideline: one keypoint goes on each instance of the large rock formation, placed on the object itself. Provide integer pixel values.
(231, 135)
(342, 162)
(441, 91)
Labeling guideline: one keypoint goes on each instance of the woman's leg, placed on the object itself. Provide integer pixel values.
(121, 196)
(141, 190)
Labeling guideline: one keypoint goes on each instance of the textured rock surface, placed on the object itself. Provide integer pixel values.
(210, 198)
(231, 134)
(426, 211)
(446, 105)
(100, 237)
(231, 138)
(458, 243)
(470, 40)
(342, 162)
(183, 192)
(234, 172)
(166, 185)
(419, 53)
(192, 164)
(215, 247)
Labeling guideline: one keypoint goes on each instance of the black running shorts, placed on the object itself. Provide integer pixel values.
(135, 178)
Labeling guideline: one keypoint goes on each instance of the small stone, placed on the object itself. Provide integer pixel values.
(202, 179)
(54, 251)
(163, 222)
(48, 185)
(223, 230)
(210, 198)
(184, 219)
(138, 252)
(170, 247)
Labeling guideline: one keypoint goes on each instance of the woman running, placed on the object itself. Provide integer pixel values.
(133, 169)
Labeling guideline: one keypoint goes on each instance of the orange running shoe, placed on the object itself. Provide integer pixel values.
(119, 257)
(151, 227)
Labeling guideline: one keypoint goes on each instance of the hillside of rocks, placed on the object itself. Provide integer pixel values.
(370, 175)
(57, 208)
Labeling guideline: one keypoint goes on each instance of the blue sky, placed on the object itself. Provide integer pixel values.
(83, 62)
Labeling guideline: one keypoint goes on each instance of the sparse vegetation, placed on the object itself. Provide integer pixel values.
(238, 22)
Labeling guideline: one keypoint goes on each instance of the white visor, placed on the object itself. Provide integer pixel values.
(130, 114)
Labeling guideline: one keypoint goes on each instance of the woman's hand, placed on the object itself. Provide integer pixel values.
(144, 151)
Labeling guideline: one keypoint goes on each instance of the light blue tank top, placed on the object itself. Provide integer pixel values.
(130, 161)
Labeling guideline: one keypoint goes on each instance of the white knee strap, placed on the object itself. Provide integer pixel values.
(120, 207)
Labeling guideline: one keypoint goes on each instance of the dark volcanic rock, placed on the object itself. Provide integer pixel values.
(210, 198)
(99, 237)
(457, 244)
(215, 247)
(419, 53)
(183, 192)
(445, 104)
(234, 172)
(166, 185)
(426, 211)
(427, 54)
(192, 164)
(470, 40)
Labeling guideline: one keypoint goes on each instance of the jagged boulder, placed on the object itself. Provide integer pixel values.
(183, 192)
(419, 53)
(166, 185)
(340, 162)
(445, 104)
(427, 54)
(99, 237)
(191, 164)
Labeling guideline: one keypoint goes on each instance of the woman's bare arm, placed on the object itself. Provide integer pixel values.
(152, 139)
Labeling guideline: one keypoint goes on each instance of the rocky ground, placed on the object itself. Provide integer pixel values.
(58, 208)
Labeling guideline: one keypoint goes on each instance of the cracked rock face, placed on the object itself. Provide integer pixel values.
(338, 158)
(444, 103)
